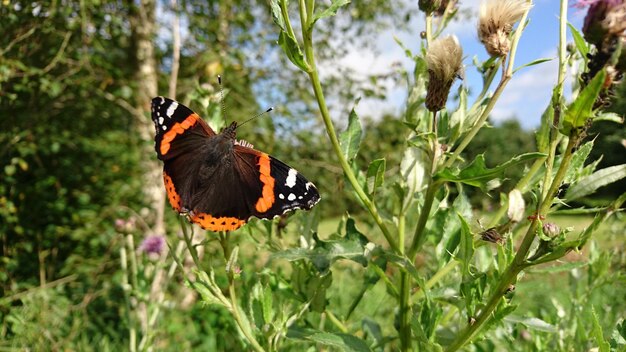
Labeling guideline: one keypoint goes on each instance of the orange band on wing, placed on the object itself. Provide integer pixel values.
(177, 128)
(172, 195)
(211, 223)
(266, 200)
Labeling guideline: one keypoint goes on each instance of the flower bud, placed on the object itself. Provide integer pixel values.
(605, 20)
(551, 229)
(495, 23)
(444, 61)
(153, 245)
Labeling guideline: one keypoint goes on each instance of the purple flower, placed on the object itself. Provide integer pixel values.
(153, 244)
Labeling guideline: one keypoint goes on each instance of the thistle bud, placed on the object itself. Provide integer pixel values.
(606, 19)
(495, 23)
(444, 61)
(551, 229)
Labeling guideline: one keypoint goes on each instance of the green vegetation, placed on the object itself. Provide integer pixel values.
(437, 229)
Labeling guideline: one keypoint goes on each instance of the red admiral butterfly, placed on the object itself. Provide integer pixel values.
(218, 181)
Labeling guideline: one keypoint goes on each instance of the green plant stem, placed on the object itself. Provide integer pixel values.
(126, 288)
(519, 262)
(429, 27)
(245, 328)
(440, 274)
(330, 130)
(423, 219)
(336, 322)
(506, 77)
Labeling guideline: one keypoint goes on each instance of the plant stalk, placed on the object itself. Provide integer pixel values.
(330, 130)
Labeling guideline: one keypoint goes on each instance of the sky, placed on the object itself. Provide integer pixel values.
(526, 95)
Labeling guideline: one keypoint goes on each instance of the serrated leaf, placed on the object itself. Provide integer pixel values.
(344, 342)
(603, 346)
(532, 323)
(477, 174)
(292, 50)
(591, 183)
(329, 11)
(581, 109)
(352, 247)
(350, 139)
(533, 63)
(375, 175)
(581, 43)
(578, 162)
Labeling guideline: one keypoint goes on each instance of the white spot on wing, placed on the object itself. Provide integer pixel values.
(171, 109)
(309, 185)
(291, 178)
(162, 100)
(291, 197)
(164, 127)
(281, 196)
(161, 120)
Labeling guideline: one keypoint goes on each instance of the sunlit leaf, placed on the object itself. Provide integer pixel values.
(375, 175)
(477, 174)
(352, 246)
(350, 139)
(329, 11)
(533, 63)
(581, 109)
(292, 50)
(581, 43)
(588, 185)
(343, 342)
(532, 323)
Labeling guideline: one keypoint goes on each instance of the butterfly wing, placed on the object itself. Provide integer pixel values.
(180, 134)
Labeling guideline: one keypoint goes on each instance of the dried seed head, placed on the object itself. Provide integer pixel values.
(428, 6)
(444, 61)
(495, 23)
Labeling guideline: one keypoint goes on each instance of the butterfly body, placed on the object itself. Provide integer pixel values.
(218, 181)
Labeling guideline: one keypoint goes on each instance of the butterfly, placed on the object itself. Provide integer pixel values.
(219, 182)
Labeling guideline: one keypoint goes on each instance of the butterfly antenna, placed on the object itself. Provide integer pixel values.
(255, 116)
(219, 81)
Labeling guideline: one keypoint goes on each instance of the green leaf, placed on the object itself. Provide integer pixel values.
(277, 14)
(329, 11)
(532, 323)
(343, 342)
(543, 133)
(559, 268)
(350, 139)
(466, 247)
(533, 63)
(352, 246)
(375, 175)
(603, 346)
(581, 43)
(292, 50)
(580, 110)
(477, 174)
(609, 116)
(591, 183)
(578, 162)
